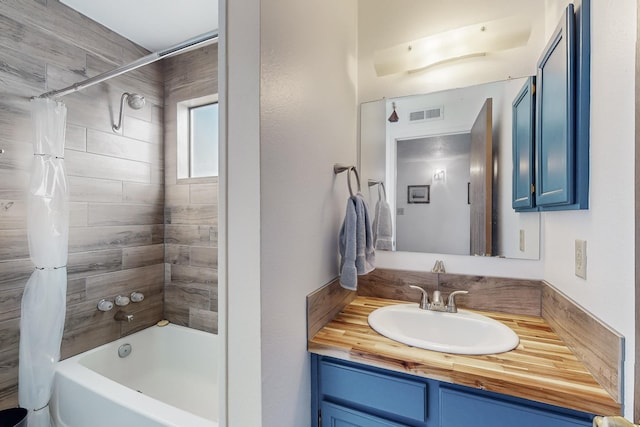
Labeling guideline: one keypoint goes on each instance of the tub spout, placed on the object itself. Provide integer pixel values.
(121, 316)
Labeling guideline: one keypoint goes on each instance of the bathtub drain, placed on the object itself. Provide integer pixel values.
(124, 350)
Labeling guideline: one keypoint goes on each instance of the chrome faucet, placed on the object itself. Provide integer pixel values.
(121, 316)
(437, 303)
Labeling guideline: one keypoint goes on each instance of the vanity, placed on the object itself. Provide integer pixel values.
(361, 378)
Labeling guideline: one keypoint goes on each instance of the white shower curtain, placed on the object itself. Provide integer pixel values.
(44, 299)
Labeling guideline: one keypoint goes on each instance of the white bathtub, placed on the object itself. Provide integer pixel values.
(168, 379)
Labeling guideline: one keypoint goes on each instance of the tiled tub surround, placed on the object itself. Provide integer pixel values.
(563, 346)
(115, 180)
(191, 206)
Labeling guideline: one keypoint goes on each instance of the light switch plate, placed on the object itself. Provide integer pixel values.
(581, 258)
(521, 240)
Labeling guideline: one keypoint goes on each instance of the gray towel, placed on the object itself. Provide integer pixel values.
(382, 235)
(355, 242)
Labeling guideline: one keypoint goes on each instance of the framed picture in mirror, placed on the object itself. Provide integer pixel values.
(419, 194)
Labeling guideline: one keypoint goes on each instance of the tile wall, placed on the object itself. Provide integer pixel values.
(191, 206)
(116, 180)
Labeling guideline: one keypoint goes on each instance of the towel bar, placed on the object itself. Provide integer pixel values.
(337, 168)
(373, 182)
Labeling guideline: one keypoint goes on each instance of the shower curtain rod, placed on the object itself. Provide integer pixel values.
(198, 41)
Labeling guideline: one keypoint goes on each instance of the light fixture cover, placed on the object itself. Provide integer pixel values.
(473, 40)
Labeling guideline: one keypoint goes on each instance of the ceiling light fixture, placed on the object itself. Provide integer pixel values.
(473, 40)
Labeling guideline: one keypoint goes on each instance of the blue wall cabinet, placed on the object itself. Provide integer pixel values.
(523, 114)
(560, 167)
(555, 138)
(355, 395)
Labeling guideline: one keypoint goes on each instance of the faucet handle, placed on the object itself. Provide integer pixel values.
(451, 302)
(424, 303)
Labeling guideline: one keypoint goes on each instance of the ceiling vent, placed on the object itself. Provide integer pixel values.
(427, 114)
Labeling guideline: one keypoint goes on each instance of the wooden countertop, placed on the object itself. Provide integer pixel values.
(541, 368)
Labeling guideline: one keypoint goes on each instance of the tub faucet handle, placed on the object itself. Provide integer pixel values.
(121, 301)
(105, 305)
(137, 296)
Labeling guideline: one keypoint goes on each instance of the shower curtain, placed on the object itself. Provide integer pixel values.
(44, 298)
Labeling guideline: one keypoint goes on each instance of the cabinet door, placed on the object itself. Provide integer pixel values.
(338, 416)
(523, 114)
(555, 117)
(460, 409)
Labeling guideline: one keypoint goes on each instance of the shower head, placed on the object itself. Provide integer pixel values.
(134, 100)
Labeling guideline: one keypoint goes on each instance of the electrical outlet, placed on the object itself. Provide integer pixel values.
(521, 240)
(581, 258)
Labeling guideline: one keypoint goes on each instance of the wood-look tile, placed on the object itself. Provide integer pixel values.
(83, 189)
(9, 396)
(83, 239)
(177, 254)
(176, 195)
(204, 257)
(14, 244)
(125, 214)
(185, 274)
(142, 130)
(204, 194)
(10, 301)
(185, 297)
(203, 320)
(125, 281)
(13, 214)
(9, 367)
(15, 273)
(10, 334)
(192, 215)
(193, 235)
(110, 144)
(21, 74)
(14, 184)
(95, 166)
(142, 256)
(78, 214)
(76, 138)
(148, 194)
(85, 264)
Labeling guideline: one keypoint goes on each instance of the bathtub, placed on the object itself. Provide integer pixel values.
(169, 378)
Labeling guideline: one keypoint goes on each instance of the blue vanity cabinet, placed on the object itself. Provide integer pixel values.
(523, 117)
(348, 394)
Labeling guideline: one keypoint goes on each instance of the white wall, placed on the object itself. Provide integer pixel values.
(308, 123)
(240, 263)
(608, 225)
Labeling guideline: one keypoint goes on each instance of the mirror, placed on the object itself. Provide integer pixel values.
(444, 198)
(427, 159)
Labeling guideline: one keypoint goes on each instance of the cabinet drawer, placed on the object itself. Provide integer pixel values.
(396, 396)
(459, 409)
(338, 416)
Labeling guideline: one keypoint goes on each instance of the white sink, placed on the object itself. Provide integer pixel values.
(463, 332)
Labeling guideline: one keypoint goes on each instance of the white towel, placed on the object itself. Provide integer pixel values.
(355, 242)
(382, 234)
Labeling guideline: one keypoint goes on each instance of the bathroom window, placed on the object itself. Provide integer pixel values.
(197, 139)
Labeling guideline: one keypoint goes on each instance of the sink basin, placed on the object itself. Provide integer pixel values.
(463, 332)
